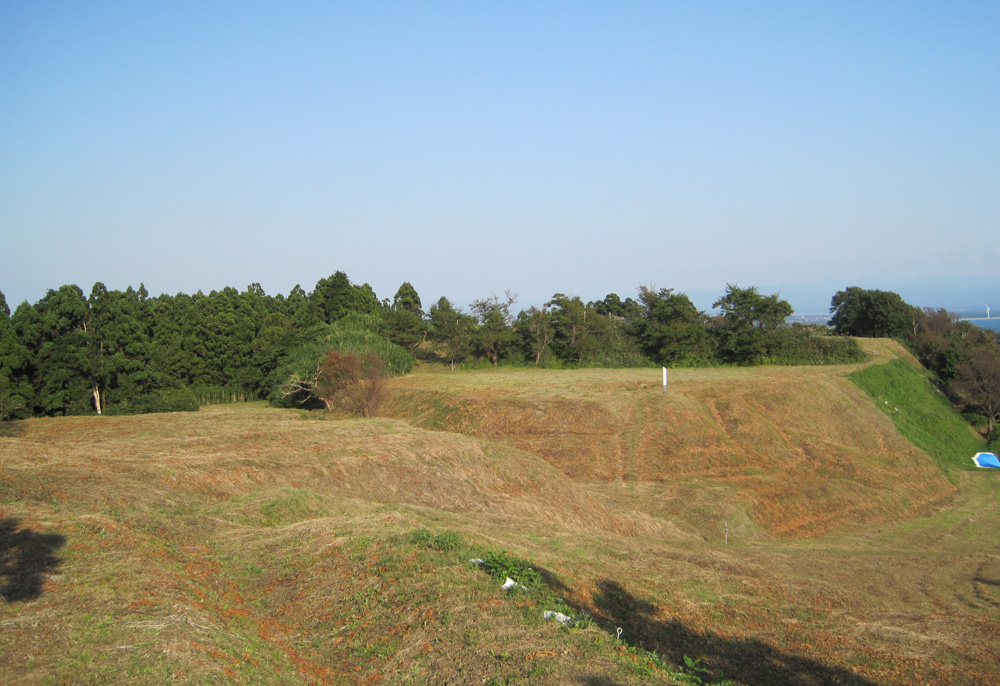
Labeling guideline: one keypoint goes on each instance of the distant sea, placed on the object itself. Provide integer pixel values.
(809, 318)
(993, 323)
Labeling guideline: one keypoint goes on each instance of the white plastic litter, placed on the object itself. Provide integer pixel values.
(477, 561)
(510, 585)
(559, 617)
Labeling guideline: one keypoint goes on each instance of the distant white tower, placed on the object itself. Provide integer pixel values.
(987, 311)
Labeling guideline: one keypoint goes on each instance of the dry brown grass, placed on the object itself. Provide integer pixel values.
(207, 546)
(245, 544)
(227, 451)
(798, 448)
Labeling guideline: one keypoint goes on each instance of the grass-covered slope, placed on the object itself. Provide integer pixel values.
(921, 413)
(250, 545)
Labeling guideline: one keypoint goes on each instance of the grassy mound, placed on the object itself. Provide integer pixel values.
(796, 451)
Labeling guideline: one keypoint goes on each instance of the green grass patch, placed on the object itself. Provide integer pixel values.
(277, 507)
(920, 412)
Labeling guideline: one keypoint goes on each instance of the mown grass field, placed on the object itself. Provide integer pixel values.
(245, 544)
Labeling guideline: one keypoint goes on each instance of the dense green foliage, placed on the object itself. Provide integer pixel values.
(126, 352)
(502, 566)
(804, 344)
(749, 321)
(871, 313)
(669, 328)
(292, 383)
(920, 412)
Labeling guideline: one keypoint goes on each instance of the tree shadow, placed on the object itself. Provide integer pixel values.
(750, 661)
(981, 593)
(11, 429)
(551, 581)
(25, 556)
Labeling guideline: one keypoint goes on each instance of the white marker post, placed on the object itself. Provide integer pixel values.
(664, 379)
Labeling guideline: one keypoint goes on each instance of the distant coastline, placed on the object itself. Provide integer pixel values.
(993, 323)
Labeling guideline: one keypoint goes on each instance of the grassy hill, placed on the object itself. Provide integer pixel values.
(245, 544)
(793, 450)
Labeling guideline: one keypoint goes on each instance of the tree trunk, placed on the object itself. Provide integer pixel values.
(97, 398)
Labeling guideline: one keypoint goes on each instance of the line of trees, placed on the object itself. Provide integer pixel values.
(660, 327)
(122, 351)
(115, 350)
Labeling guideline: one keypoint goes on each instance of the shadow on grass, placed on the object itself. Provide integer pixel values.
(978, 583)
(747, 661)
(25, 556)
(11, 429)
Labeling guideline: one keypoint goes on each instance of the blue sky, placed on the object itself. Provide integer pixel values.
(474, 147)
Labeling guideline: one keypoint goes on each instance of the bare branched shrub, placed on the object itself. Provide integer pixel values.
(357, 383)
(300, 387)
(979, 381)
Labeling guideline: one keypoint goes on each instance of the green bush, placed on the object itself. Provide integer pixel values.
(421, 537)
(800, 344)
(625, 357)
(348, 335)
(173, 400)
(448, 541)
(502, 566)
(359, 334)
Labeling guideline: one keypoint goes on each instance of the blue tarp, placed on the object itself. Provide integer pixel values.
(986, 460)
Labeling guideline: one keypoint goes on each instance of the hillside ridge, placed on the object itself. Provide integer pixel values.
(802, 449)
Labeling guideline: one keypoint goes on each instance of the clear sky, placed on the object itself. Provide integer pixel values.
(473, 147)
